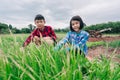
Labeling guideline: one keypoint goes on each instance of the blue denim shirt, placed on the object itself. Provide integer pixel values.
(77, 40)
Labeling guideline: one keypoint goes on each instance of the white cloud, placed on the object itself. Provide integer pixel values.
(58, 13)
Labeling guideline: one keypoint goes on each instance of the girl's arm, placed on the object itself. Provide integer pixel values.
(62, 42)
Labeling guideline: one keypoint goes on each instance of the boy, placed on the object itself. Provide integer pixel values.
(42, 31)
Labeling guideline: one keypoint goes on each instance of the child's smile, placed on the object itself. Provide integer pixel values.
(40, 23)
(76, 25)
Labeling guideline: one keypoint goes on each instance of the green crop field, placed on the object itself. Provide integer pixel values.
(43, 63)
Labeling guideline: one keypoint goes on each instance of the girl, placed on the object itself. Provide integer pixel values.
(76, 36)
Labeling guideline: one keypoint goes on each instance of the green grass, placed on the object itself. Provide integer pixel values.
(43, 63)
(95, 44)
(115, 44)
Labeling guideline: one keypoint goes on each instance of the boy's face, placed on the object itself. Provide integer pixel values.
(75, 25)
(40, 23)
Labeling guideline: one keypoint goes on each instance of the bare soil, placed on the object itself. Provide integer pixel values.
(106, 38)
(96, 52)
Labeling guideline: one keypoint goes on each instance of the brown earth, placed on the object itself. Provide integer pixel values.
(95, 52)
(106, 38)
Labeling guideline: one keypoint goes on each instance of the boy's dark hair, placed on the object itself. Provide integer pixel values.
(39, 17)
(78, 18)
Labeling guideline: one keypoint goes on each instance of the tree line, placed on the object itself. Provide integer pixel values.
(115, 27)
(6, 29)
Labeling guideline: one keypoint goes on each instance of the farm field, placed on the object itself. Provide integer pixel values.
(107, 45)
(43, 63)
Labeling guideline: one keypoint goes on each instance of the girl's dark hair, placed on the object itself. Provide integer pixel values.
(78, 18)
(39, 17)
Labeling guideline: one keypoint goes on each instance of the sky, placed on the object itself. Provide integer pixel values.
(57, 13)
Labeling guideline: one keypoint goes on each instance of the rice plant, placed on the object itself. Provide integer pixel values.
(43, 63)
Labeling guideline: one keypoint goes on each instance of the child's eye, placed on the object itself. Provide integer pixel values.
(37, 21)
(41, 21)
(77, 22)
(72, 24)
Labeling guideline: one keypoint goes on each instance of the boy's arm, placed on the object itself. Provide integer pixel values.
(28, 40)
(53, 35)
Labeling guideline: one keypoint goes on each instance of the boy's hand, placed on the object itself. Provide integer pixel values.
(47, 38)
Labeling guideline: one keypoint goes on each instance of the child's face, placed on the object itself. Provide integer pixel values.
(75, 25)
(40, 23)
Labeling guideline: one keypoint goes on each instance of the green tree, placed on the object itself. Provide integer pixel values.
(3, 27)
(25, 30)
(10, 26)
(15, 30)
(114, 25)
(31, 27)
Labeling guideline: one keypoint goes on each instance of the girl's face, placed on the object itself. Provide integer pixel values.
(75, 25)
(40, 23)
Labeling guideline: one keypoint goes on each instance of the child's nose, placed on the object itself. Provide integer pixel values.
(39, 23)
(75, 25)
